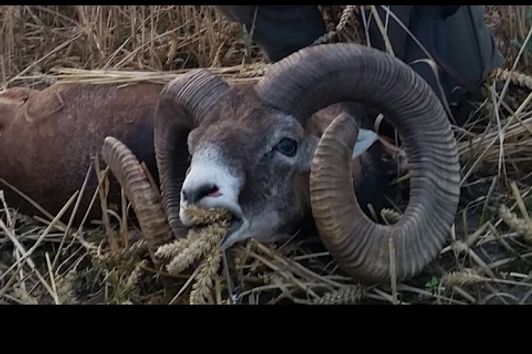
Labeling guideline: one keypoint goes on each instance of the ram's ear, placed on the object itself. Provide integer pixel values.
(365, 139)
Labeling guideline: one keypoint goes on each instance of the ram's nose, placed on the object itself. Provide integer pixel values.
(195, 194)
(211, 182)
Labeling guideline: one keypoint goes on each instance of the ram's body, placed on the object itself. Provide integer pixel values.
(254, 154)
(267, 152)
(48, 138)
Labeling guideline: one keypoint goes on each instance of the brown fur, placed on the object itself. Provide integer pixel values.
(244, 132)
(47, 137)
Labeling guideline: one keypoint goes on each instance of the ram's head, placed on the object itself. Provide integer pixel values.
(252, 154)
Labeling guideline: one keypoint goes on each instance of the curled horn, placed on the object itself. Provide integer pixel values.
(144, 200)
(182, 105)
(317, 77)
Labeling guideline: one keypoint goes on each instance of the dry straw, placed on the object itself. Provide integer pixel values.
(128, 44)
(461, 278)
(390, 216)
(516, 78)
(66, 288)
(521, 226)
(202, 240)
(349, 295)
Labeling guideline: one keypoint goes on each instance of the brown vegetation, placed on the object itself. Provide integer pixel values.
(42, 260)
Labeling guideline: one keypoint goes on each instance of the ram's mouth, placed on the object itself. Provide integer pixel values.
(239, 224)
(236, 223)
(196, 216)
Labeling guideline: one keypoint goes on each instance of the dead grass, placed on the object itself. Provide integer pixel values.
(512, 24)
(487, 260)
(36, 39)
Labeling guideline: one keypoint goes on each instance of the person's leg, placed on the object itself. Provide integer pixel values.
(426, 24)
(455, 36)
(279, 30)
(429, 28)
(471, 50)
(282, 30)
(395, 33)
(471, 44)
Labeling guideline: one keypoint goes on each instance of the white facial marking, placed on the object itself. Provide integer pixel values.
(207, 168)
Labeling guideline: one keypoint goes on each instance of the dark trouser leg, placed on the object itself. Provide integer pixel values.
(279, 30)
(430, 30)
(427, 24)
(454, 35)
(472, 51)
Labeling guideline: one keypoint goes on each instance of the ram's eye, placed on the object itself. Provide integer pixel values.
(287, 147)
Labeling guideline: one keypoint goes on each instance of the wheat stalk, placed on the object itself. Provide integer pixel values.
(460, 278)
(348, 15)
(24, 297)
(135, 275)
(520, 226)
(344, 296)
(390, 216)
(202, 240)
(201, 289)
(200, 245)
(172, 249)
(65, 288)
(516, 78)
(203, 216)
(125, 254)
